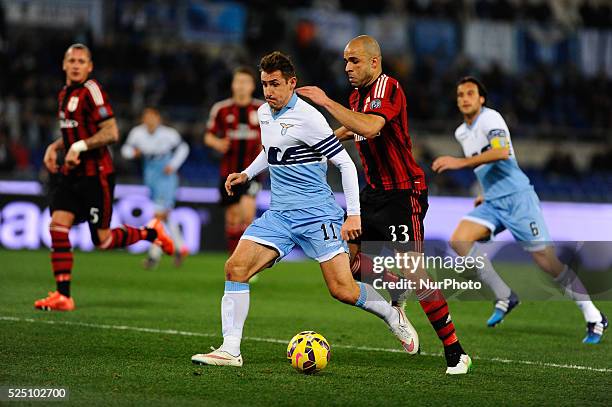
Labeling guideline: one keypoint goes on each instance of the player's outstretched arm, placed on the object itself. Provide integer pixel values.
(350, 184)
(259, 164)
(343, 134)
(447, 162)
(366, 125)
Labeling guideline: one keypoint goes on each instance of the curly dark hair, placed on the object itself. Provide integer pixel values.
(277, 61)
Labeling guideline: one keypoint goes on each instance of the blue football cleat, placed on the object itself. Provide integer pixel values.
(502, 308)
(595, 330)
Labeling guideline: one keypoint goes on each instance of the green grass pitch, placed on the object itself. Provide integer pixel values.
(103, 356)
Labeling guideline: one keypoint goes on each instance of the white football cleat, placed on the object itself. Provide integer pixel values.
(464, 365)
(217, 357)
(405, 332)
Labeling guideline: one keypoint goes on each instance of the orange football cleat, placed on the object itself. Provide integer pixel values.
(55, 302)
(163, 240)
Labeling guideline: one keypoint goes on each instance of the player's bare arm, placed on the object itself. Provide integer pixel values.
(235, 179)
(108, 134)
(343, 134)
(366, 125)
(447, 162)
(50, 158)
(221, 145)
(351, 229)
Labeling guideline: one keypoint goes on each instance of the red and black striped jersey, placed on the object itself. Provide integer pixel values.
(241, 126)
(82, 107)
(387, 158)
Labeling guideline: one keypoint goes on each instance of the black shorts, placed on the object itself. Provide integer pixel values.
(88, 198)
(393, 216)
(250, 188)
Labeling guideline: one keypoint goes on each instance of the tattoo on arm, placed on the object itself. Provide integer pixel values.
(108, 134)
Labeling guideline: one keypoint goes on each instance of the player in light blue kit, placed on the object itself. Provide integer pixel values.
(297, 143)
(163, 152)
(509, 202)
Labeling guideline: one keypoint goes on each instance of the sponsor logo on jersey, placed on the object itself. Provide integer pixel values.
(68, 124)
(266, 122)
(293, 155)
(358, 137)
(73, 103)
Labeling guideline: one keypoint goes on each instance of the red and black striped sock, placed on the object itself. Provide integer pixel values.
(125, 235)
(435, 306)
(61, 257)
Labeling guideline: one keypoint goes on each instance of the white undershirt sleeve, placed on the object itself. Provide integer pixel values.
(350, 182)
(259, 164)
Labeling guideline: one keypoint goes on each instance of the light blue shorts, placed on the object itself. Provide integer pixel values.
(520, 213)
(163, 190)
(316, 230)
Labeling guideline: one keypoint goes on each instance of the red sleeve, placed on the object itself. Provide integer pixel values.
(213, 124)
(97, 102)
(385, 100)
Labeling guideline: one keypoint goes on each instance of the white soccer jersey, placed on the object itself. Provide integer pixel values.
(489, 130)
(164, 145)
(297, 143)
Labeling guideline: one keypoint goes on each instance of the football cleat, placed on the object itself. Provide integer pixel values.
(595, 330)
(217, 357)
(163, 240)
(180, 255)
(405, 332)
(150, 263)
(464, 365)
(55, 302)
(503, 308)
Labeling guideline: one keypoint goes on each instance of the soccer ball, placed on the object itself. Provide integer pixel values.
(308, 352)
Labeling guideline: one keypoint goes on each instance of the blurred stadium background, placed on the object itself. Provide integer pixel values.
(547, 65)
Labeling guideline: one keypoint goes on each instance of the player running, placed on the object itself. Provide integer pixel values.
(394, 201)
(163, 152)
(82, 188)
(297, 142)
(233, 131)
(509, 202)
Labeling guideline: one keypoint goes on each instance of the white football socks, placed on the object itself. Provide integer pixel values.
(574, 289)
(489, 276)
(234, 310)
(370, 300)
(155, 252)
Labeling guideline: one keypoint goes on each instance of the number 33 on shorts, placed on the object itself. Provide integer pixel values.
(399, 233)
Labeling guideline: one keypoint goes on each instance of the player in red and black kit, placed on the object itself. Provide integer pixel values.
(233, 130)
(394, 202)
(82, 188)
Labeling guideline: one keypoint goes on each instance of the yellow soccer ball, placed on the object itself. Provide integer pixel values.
(308, 352)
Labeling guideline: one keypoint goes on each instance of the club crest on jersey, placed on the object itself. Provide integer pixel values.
(73, 103)
(375, 104)
(285, 127)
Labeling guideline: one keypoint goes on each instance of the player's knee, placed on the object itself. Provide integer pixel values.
(236, 270)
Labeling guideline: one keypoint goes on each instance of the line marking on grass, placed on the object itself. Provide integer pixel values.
(284, 341)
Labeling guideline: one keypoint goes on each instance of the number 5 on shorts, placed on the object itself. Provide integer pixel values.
(94, 213)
